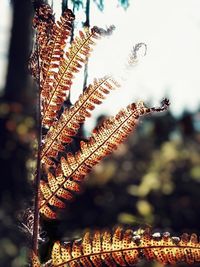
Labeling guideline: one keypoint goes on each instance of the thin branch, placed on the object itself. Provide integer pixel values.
(87, 13)
(38, 171)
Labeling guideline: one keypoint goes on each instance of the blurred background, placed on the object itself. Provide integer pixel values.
(153, 178)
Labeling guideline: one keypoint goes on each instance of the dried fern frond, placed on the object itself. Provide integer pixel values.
(43, 22)
(74, 167)
(33, 65)
(67, 126)
(104, 140)
(54, 51)
(43, 14)
(124, 248)
(35, 262)
(70, 64)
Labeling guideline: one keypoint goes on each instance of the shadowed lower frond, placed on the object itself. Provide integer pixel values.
(43, 22)
(75, 167)
(126, 248)
(67, 126)
(70, 64)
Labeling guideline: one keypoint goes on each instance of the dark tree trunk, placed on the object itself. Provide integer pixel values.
(87, 14)
(72, 33)
(64, 5)
(86, 24)
(16, 88)
(14, 145)
(17, 97)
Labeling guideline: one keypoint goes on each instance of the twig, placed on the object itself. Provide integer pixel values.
(38, 171)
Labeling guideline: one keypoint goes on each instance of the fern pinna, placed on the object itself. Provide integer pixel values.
(54, 63)
(126, 248)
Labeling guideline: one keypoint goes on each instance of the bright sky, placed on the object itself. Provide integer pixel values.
(171, 30)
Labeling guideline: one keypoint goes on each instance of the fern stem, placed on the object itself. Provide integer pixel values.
(38, 170)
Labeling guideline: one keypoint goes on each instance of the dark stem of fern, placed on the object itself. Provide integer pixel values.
(38, 170)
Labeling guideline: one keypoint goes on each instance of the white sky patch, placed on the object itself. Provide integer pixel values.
(171, 30)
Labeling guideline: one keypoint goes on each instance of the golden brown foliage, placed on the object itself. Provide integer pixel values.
(74, 168)
(126, 248)
(54, 67)
(62, 80)
(62, 176)
(43, 22)
(67, 126)
(34, 260)
(53, 52)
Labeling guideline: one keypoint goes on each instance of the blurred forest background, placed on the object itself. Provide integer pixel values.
(152, 179)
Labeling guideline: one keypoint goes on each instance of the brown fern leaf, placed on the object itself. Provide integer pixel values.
(67, 126)
(104, 140)
(124, 248)
(43, 22)
(43, 15)
(54, 51)
(70, 64)
(35, 262)
(74, 167)
(33, 65)
(170, 250)
(56, 189)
